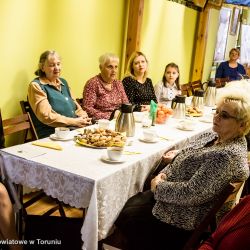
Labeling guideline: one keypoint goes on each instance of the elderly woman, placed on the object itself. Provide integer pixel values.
(103, 93)
(51, 100)
(138, 86)
(231, 69)
(187, 188)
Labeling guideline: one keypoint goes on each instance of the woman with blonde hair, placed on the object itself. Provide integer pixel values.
(137, 85)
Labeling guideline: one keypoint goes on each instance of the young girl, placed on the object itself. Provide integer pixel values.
(169, 87)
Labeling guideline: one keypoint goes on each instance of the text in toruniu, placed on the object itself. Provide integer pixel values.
(30, 242)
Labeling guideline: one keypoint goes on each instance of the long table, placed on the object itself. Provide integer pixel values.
(77, 176)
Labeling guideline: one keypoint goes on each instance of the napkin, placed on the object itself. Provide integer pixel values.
(131, 153)
(51, 145)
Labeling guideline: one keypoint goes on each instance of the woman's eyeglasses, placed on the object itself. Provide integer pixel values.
(224, 115)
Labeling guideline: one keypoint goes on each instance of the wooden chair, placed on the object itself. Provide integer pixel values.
(228, 194)
(26, 109)
(1, 132)
(196, 85)
(79, 100)
(22, 123)
(186, 89)
(221, 82)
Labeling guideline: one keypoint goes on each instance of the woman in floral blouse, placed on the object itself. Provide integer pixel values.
(103, 93)
(138, 86)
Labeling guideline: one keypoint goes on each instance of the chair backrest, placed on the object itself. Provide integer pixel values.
(196, 85)
(1, 132)
(234, 197)
(17, 124)
(226, 195)
(186, 89)
(26, 109)
(79, 100)
(221, 82)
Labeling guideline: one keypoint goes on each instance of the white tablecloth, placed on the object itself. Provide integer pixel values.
(78, 177)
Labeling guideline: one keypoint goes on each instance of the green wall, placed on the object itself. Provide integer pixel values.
(168, 34)
(80, 30)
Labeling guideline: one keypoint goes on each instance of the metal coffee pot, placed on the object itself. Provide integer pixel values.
(125, 121)
(198, 99)
(179, 107)
(210, 94)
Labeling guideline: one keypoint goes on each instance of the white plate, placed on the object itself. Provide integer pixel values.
(55, 138)
(181, 127)
(107, 160)
(148, 141)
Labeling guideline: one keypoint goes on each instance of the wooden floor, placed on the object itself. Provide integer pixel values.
(43, 205)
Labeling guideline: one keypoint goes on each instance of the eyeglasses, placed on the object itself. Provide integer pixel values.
(224, 115)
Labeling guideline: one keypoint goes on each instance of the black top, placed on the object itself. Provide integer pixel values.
(139, 93)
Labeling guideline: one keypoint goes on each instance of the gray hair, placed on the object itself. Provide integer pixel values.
(43, 57)
(107, 57)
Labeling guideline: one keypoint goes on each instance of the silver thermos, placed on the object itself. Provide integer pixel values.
(179, 107)
(125, 121)
(210, 94)
(198, 99)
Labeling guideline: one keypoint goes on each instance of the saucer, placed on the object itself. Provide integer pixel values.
(181, 127)
(148, 141)
(105, 158)
(206, 119)
(55, 138)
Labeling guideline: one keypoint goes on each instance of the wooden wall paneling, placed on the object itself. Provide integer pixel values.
(200, 46)
(135, 16)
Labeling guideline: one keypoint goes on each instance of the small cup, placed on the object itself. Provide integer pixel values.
(149, 134)
(103, 123)
(62, 132)
(146, 120)
(187, 124)
(138, 116)
(115, 153)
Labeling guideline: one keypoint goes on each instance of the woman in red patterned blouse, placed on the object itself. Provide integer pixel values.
(103, 93)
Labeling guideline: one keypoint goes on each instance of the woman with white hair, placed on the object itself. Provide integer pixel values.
(242, 85)
(182, 194)
(103, 93)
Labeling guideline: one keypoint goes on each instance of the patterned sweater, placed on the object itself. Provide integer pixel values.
(194, 178)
